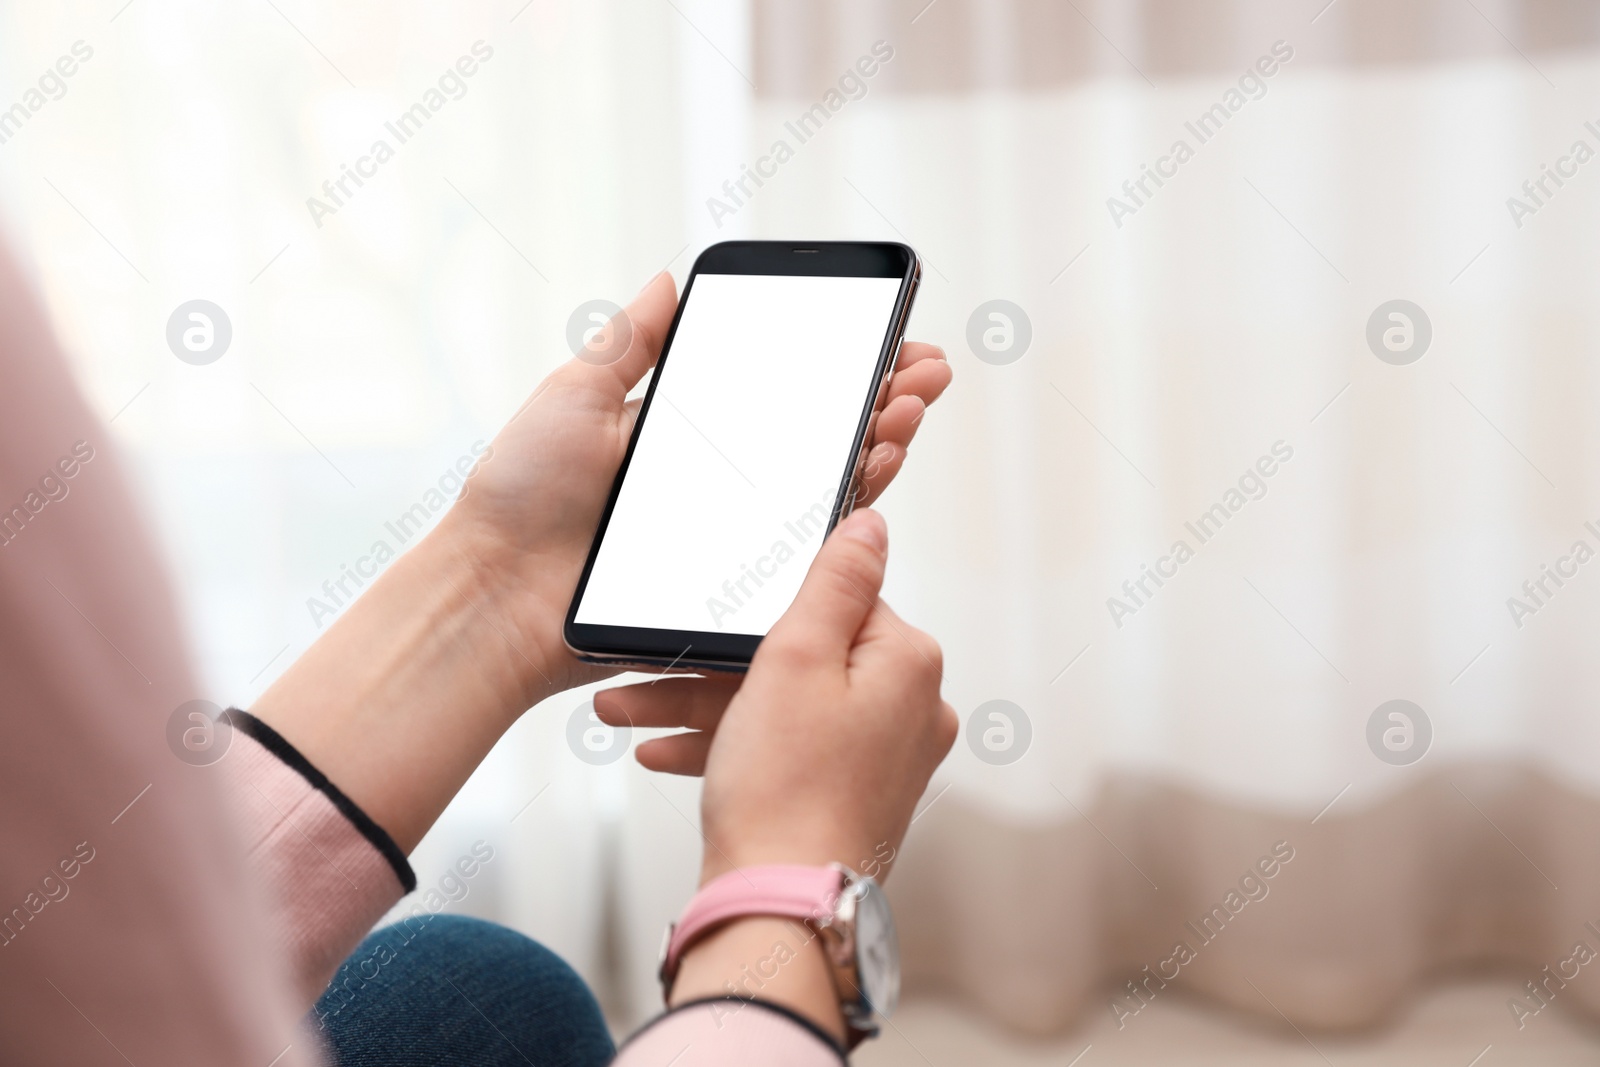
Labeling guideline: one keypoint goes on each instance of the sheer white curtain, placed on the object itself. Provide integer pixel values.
(1355, 516)
(1202, 343)
(1223, 324)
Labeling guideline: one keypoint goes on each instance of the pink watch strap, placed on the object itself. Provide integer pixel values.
(809, 894)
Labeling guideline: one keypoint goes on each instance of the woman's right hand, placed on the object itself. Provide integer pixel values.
(819, 758)
(833, 734)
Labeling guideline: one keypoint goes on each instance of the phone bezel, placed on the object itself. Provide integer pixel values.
(698, 649)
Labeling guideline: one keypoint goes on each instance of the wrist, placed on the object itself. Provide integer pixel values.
(760, 957)
(511, 629)
(801, 845)
(820, 940)
(402, 697)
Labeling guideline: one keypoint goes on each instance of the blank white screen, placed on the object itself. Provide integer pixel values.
(727, 497)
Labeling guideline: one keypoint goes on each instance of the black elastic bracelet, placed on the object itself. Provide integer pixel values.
(274, 742)
(778, 1009)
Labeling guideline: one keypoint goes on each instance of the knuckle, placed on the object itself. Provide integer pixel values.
(643, 333)
(928, 651)
(908, 658)
(792, 651)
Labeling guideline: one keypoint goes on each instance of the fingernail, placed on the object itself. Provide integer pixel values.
(868, 527)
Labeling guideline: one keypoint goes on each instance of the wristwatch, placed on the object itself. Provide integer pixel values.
(848, 911)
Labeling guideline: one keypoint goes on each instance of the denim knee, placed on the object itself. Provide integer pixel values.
(449, 989)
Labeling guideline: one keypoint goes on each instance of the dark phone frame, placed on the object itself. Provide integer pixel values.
(707, 650)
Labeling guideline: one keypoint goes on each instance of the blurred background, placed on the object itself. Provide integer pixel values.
(1303, 287)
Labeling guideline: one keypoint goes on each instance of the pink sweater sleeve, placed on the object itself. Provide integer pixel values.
(729, 1033)
(328, 870)
(127, 910)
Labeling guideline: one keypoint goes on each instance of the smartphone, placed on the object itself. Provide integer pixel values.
(748, 450)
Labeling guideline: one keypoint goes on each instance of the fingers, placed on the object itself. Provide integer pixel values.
(838, 593)
(898, 423)
(697, 703)
(883, 463)
(641, 326)
(677, 754)
(925, 378)
(915, 351)
(921, 376)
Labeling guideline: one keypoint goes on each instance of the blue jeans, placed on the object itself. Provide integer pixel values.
(442, 989)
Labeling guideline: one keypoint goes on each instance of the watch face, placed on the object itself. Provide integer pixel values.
(877, 949)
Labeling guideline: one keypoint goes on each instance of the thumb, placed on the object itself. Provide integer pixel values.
(618, 357)
(840, 590)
